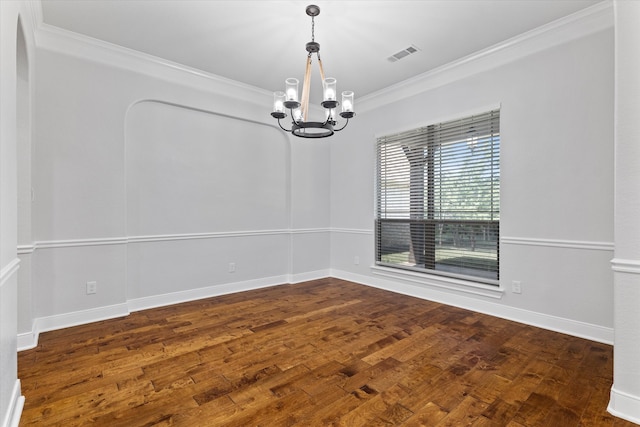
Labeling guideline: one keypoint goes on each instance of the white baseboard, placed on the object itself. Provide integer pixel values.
(624, 405)
(66, 320)
(12, 417)
(545, 321)
(28, 340)
(312, 275)
(541, 320)
(621, 405)
(154, 301)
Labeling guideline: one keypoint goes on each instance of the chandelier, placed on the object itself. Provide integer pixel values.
(299, 107)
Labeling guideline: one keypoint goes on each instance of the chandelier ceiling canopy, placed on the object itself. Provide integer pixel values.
(299, 107)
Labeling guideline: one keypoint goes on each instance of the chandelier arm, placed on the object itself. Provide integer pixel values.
(345, 125)
(293, 118)
(306, 87)
(279, 124)
(321, 69)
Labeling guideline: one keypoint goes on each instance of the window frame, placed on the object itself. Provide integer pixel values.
(487, 117)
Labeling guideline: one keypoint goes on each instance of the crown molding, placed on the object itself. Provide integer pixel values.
(591, 20)
(588, 21)
(34, 14)
(55, 39)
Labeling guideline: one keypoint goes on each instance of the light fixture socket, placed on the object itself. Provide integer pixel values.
(279, 98)
(347, 102)
(329, 104)
(291, 105)
(291, 89)
(329, 91)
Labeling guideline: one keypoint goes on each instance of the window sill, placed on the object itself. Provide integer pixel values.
(442, 282)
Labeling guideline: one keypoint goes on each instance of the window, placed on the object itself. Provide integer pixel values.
(438, 199)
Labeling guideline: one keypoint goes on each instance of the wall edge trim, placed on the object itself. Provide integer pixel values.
(620, 265)
(69, 243)
(353, 231)
(197, 236)
(507, 240)
(9, 270)
(51, 244)
(558, 243)
(26, 249)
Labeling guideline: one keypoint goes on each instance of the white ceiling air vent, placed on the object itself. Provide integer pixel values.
(402, 54)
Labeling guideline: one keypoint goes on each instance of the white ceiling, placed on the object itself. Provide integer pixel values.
(260, 43)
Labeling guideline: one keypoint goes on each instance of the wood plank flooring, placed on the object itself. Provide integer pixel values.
(321, 353)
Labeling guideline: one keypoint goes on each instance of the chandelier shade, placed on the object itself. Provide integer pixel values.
(298, 103)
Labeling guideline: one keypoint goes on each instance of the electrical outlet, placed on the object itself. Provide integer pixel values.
(92, 288)
(356, 260)
(232, 267)
(516, 287)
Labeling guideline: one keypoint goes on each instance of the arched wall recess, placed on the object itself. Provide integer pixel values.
(205, 192)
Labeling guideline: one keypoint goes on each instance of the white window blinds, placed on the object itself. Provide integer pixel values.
(438, 198)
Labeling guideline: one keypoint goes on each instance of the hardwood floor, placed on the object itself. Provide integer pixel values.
(321, 353)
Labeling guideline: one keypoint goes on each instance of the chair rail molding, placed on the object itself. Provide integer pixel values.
(558, 243)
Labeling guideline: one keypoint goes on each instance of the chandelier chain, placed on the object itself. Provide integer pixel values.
(313, 29)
